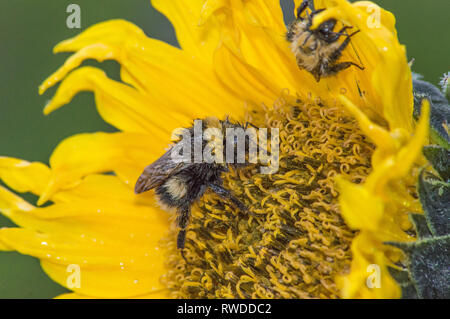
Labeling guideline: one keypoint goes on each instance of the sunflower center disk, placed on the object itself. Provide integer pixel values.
(295, 242)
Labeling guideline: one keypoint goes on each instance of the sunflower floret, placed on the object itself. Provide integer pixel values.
(295, 242)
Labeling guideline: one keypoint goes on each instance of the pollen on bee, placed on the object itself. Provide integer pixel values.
(176, 187)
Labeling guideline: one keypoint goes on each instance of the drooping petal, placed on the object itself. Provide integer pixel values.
(199, 35)
(159, 294)
(170, 83)
(379, 207)
(379, 51)
(10, 202)
(126, 154)
(193, 37)
(260, 46)
(398, 166)
(89, 234)
(243, 80)
(23, 176)
(92, 187)
(369, 278)
(118, 104)
(358, 207)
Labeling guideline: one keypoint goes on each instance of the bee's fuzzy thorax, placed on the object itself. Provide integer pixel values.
(308, 50)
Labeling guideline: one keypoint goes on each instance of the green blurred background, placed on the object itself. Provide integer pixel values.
(28, 31)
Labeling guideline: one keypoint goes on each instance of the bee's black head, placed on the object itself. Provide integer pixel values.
(325, 31)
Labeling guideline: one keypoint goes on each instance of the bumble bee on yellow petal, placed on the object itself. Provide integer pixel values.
(318, 51)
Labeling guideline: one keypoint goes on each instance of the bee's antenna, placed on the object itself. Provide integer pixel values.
(302, 7)
(354, 50)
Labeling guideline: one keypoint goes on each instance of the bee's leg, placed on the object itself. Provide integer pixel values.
(337, 54)
(342, 66)
(344, 28)
(314, 12)
(182, 221)
(337, 35)
(226, 194)
(317, 73)
(252, 125)
(302, 7)
(181, 239)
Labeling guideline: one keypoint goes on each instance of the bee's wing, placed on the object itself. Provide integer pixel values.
(157, 173)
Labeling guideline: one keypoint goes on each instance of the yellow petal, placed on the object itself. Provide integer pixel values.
(93, 186)
(360, 209)
(23, 176)
(266, 14)
(379, 50)
(379, 135)
(115, 243)
(394, 168)
(243, 80)
(116, 222)
(126, 154)
(118, 104)
(167, 78)
(269, 53)
(159, 294)
(194, 38)
(100, 283)
(10, 202)
(387, 19)
(72, 295)
(4, 247)
(366, 262)
(199, 33)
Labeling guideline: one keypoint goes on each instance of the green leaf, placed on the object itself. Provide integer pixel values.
(420, 224)
(434, 196)
(437, 138)
(429, 266)
(439, 158)
(402, 277)
(440, 110)
(409, 291)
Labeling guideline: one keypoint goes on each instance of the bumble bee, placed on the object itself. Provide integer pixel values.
(317, 51)
(179, 184)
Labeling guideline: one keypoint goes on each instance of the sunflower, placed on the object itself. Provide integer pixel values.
(349, 158)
